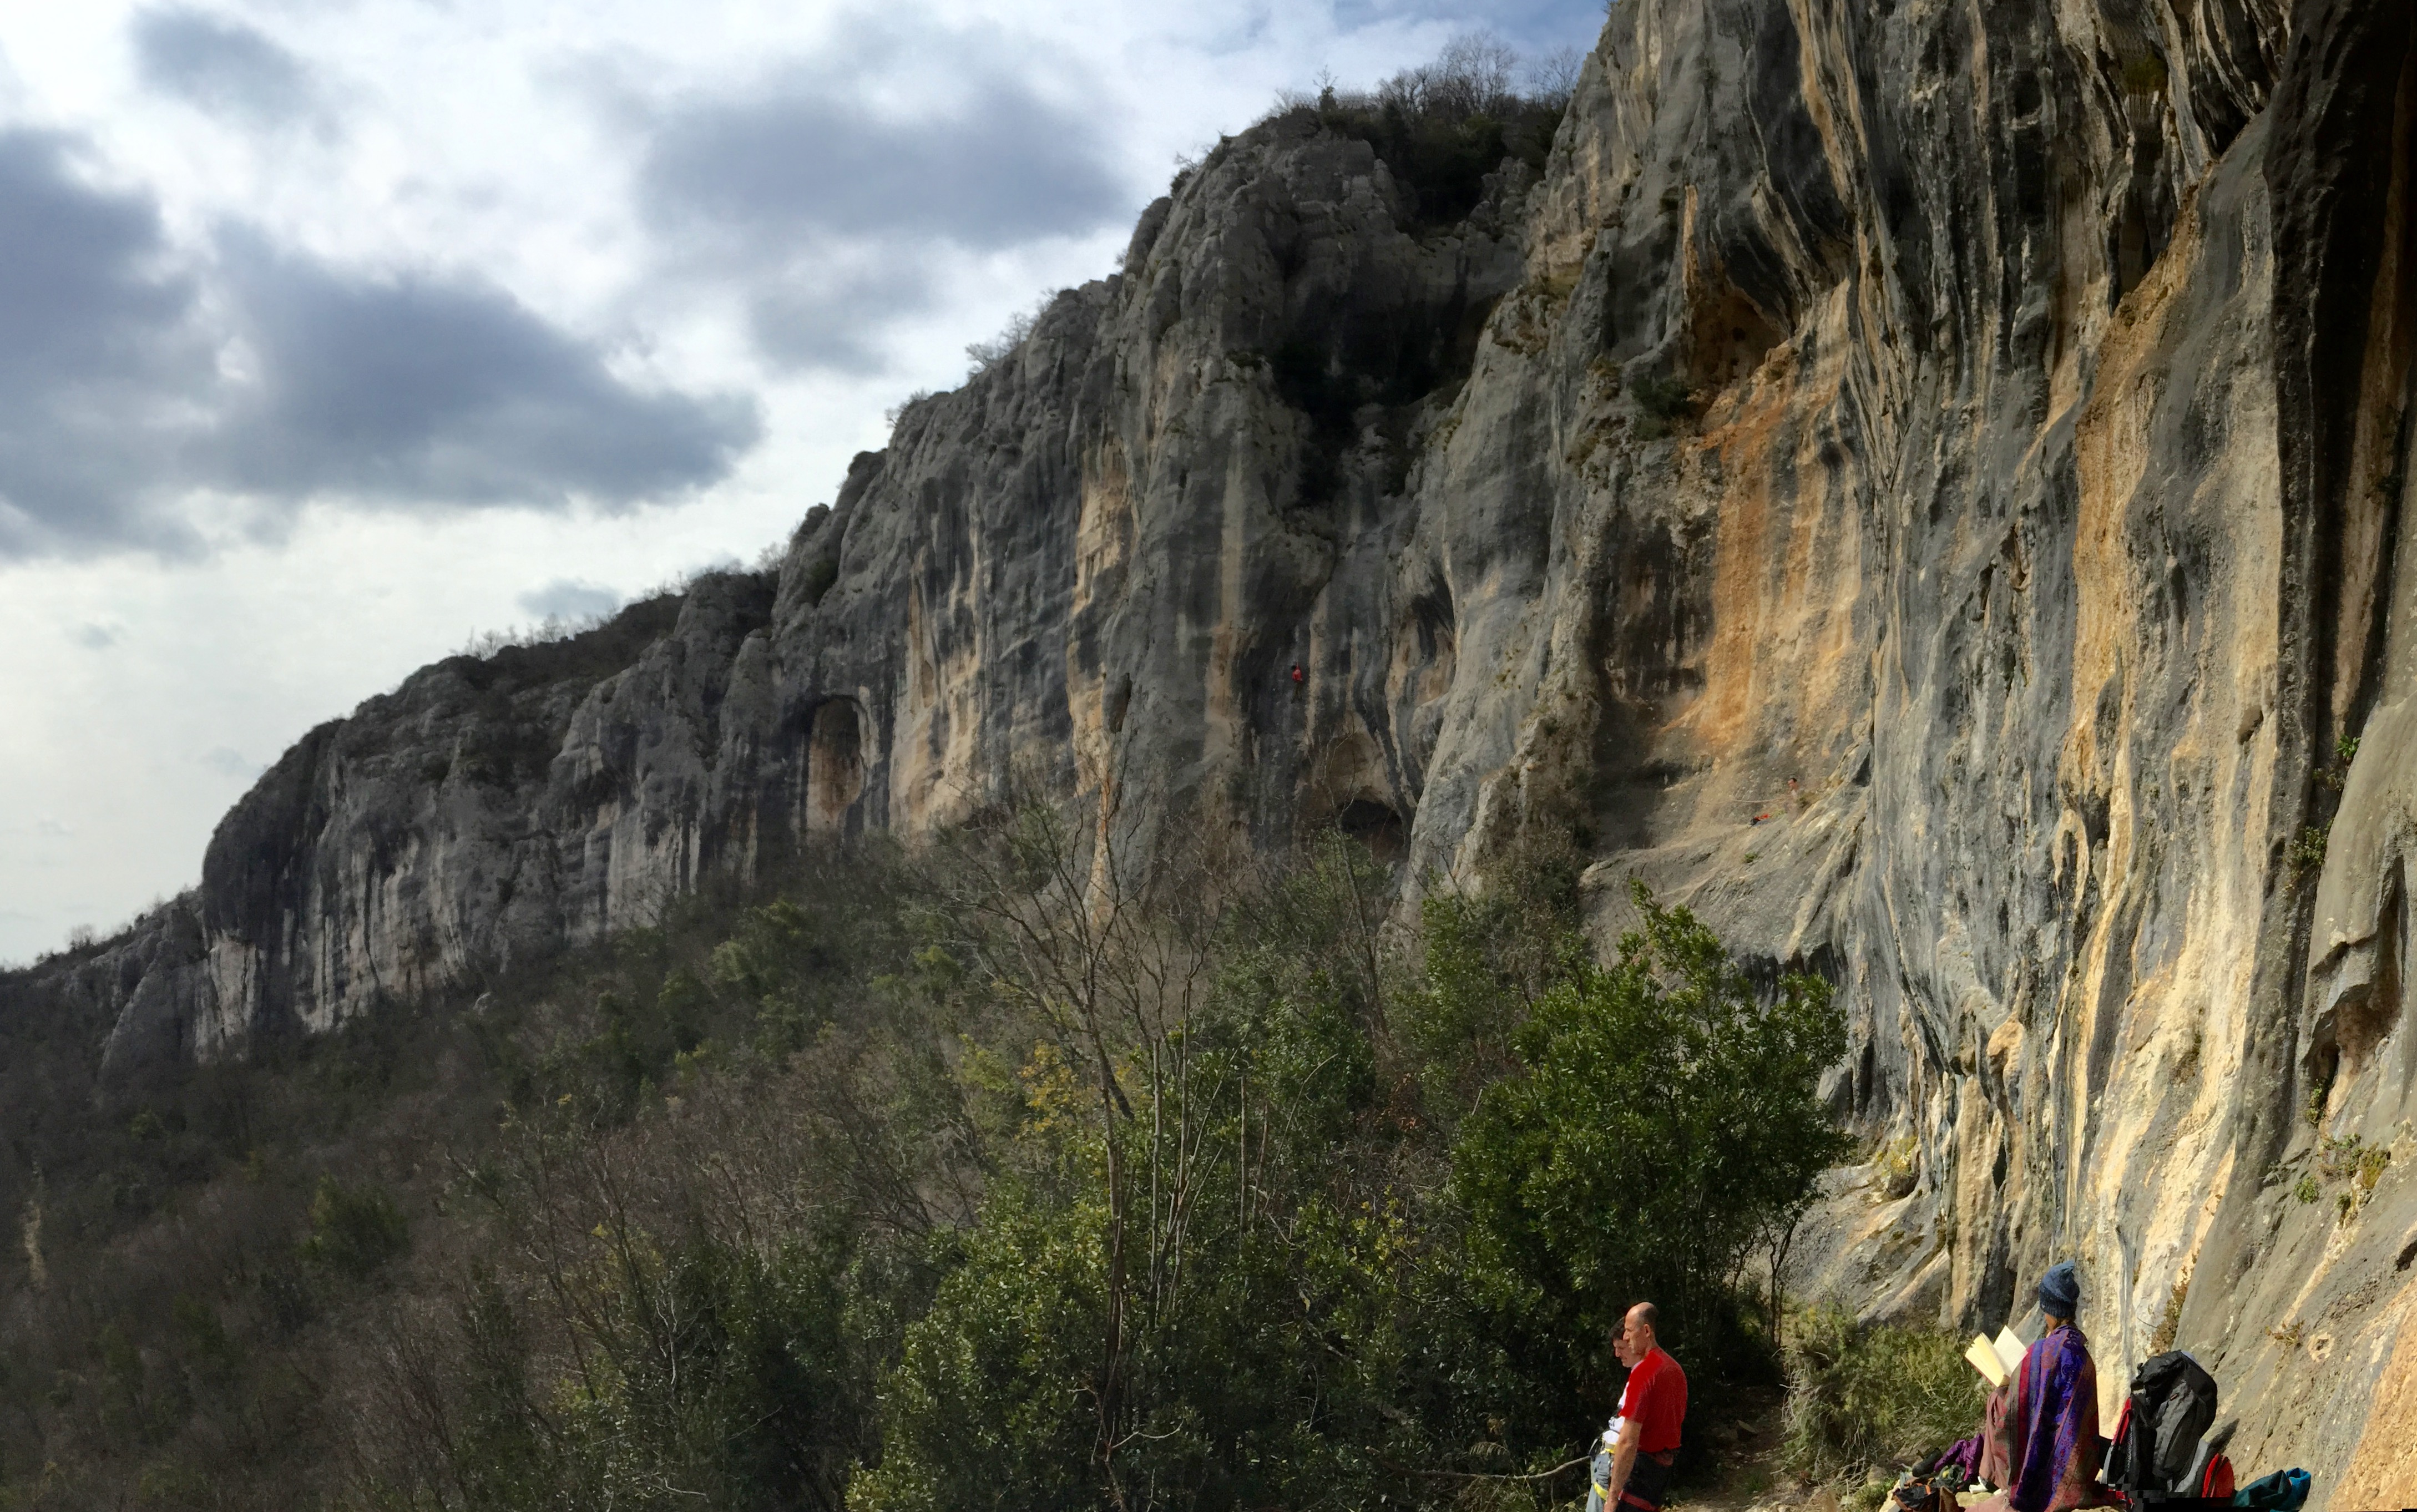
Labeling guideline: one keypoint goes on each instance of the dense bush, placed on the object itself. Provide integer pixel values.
(1661, 398)
(355, 1230)
(1661, 1128)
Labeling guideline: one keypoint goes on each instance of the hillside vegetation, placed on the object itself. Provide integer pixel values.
(1012, 1172)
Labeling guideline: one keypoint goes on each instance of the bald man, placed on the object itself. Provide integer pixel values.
(1644, 1437)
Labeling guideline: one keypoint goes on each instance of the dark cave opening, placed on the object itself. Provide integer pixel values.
(1376, 826)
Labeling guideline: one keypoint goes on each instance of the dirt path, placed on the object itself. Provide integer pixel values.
(1745, 1434)
(1749, 1478)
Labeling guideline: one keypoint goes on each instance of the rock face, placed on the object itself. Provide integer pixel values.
(485, 809)
(1921, 483)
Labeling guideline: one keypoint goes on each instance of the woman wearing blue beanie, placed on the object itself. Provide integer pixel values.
(2050, 1442)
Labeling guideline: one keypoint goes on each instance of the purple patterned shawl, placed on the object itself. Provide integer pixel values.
(2052, 1425)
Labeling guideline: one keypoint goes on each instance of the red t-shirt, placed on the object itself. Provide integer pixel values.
(1655, 1399)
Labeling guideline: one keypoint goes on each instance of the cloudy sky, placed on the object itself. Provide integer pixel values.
(334, 332)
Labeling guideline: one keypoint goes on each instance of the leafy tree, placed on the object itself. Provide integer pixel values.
(355, 1230)
(1664, 1125)
(997, 1401)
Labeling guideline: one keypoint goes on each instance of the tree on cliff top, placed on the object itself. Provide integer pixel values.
(1442, 127)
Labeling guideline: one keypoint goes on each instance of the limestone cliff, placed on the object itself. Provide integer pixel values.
(1923, 483)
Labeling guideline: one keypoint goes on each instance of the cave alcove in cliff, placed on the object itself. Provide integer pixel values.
(1376, 826)
(835, 764)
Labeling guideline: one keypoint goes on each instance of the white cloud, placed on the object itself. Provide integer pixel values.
(229, 762)
(570, 599)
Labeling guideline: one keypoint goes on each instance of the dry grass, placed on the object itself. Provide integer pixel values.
(1864, 1398)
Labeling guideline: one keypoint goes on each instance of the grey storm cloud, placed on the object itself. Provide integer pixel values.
(96, 344)
(415, 392)
(411, 387)
(1005, 167)
(836, 217)
(829, 319)
(222, 66)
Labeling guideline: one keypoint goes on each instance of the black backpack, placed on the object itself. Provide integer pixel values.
(2157, 1448)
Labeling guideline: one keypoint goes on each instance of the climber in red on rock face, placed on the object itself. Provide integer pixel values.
(1296, 671)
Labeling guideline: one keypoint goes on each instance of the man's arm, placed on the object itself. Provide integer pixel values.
(1623, 1459)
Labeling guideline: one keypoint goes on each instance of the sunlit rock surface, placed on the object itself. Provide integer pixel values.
(1986, 628)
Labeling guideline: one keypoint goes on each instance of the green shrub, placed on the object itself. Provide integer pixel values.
(1663, 1127)
(995, 1403)
(1861, 1398)
(2145, 75)
(2307, 853)
(355, 1230)
(1661, 397)
(820, 575)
